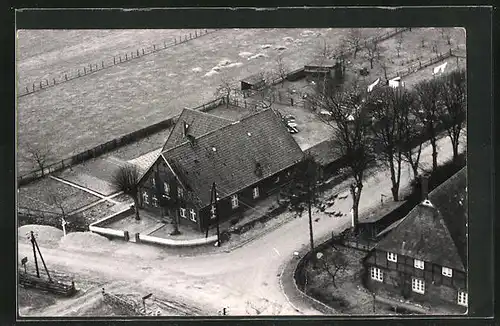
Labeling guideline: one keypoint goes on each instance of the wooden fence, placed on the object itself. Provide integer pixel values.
(32, 281)
(419, 65)
(110, 145)
(92, 68)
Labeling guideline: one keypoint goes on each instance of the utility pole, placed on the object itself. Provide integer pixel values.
(309, 204)
(34, 254)
(214, 213)
(41, 257)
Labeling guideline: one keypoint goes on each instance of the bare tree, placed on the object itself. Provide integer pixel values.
(39, 155)
(429, 94)
(384, 64)
(453, 112)
(349, 133)
(281, 69)
(386, 106)
(399, 43)
(372, 52)
(446, 35)
(335, 264)
(225, 89)
(267, 92)
(354, 38)
(57, 201)
(435, 47)
(412, 133)
(126, 179)
(303, 191)
(422, 41)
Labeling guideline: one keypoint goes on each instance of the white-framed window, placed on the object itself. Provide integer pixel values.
(462, 298)
(448, 272)
(166, 188)
(192, 215)
(392, 257)
(180, 192)
(418, 285)
(145, 197)
(376, 274)
(418, 264)
(155, 201)
(234, 201)
(212, 212)
(183, 212)
(255, 192)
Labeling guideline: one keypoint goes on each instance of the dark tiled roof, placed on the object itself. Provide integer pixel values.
(260, 138)
(199, 123)
(321, 63)
(324, 153)
(434, 233)
(451, 200)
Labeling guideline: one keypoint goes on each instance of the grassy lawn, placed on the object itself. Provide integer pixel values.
(91, 110)
(347, 298)
(36, 195)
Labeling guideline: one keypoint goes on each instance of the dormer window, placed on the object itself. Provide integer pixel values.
(255, 192)
(448, 272)
(392, 257)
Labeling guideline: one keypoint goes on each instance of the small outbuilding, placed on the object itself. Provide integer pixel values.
(253, 82)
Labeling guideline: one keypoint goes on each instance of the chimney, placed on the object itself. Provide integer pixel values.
(185, 129)
(424, 186)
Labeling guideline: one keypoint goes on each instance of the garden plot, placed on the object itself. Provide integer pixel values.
(44, 54)
(91, 110)
(411, 51)
(36, 196)
(99, 211)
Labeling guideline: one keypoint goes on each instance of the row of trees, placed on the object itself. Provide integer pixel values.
(389, 125)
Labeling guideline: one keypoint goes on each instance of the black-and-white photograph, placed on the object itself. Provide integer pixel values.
(241, 172)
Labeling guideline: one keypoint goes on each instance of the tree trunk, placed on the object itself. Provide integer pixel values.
(176, 222)
(356, 195)
(309, 204)
(227, 101)
(395, 186)
(371, 63)
(434, 154)
(136, 207)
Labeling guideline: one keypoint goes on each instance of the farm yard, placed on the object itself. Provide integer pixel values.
(82, 113)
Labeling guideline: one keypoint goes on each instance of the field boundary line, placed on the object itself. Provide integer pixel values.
(74, 185)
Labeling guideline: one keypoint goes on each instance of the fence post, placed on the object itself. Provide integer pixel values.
(175, 40)
(137, 52)
(54, 81)
(189, 35)
(90, 66)
(195, 33)
(154, 47)
(126, 57)
(114, 60)
(120, 59)
(143, 51)
(47, 82)
(84, 70)
(33, 87)
(102, 64)
(40, 84)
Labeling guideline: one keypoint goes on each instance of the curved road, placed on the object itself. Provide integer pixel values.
(242, 280)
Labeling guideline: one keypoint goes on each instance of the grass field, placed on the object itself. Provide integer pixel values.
(88, 111)
(49, 54)
(37, 194)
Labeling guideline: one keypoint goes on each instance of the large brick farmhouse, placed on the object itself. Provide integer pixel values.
(247, 159)
(424, 258)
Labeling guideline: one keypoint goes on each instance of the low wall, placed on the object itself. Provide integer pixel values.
(113, 218)
(108, 232)
(169, 242)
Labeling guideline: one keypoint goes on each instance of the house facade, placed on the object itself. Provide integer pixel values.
(423, 259)
(248, 160)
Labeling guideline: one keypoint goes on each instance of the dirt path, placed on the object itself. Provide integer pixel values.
(246, 280)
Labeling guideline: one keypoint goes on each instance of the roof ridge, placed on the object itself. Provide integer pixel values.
(205, 113)
(449, 181)
(219, 129)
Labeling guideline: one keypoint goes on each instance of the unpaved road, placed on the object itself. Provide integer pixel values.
(241, 279)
